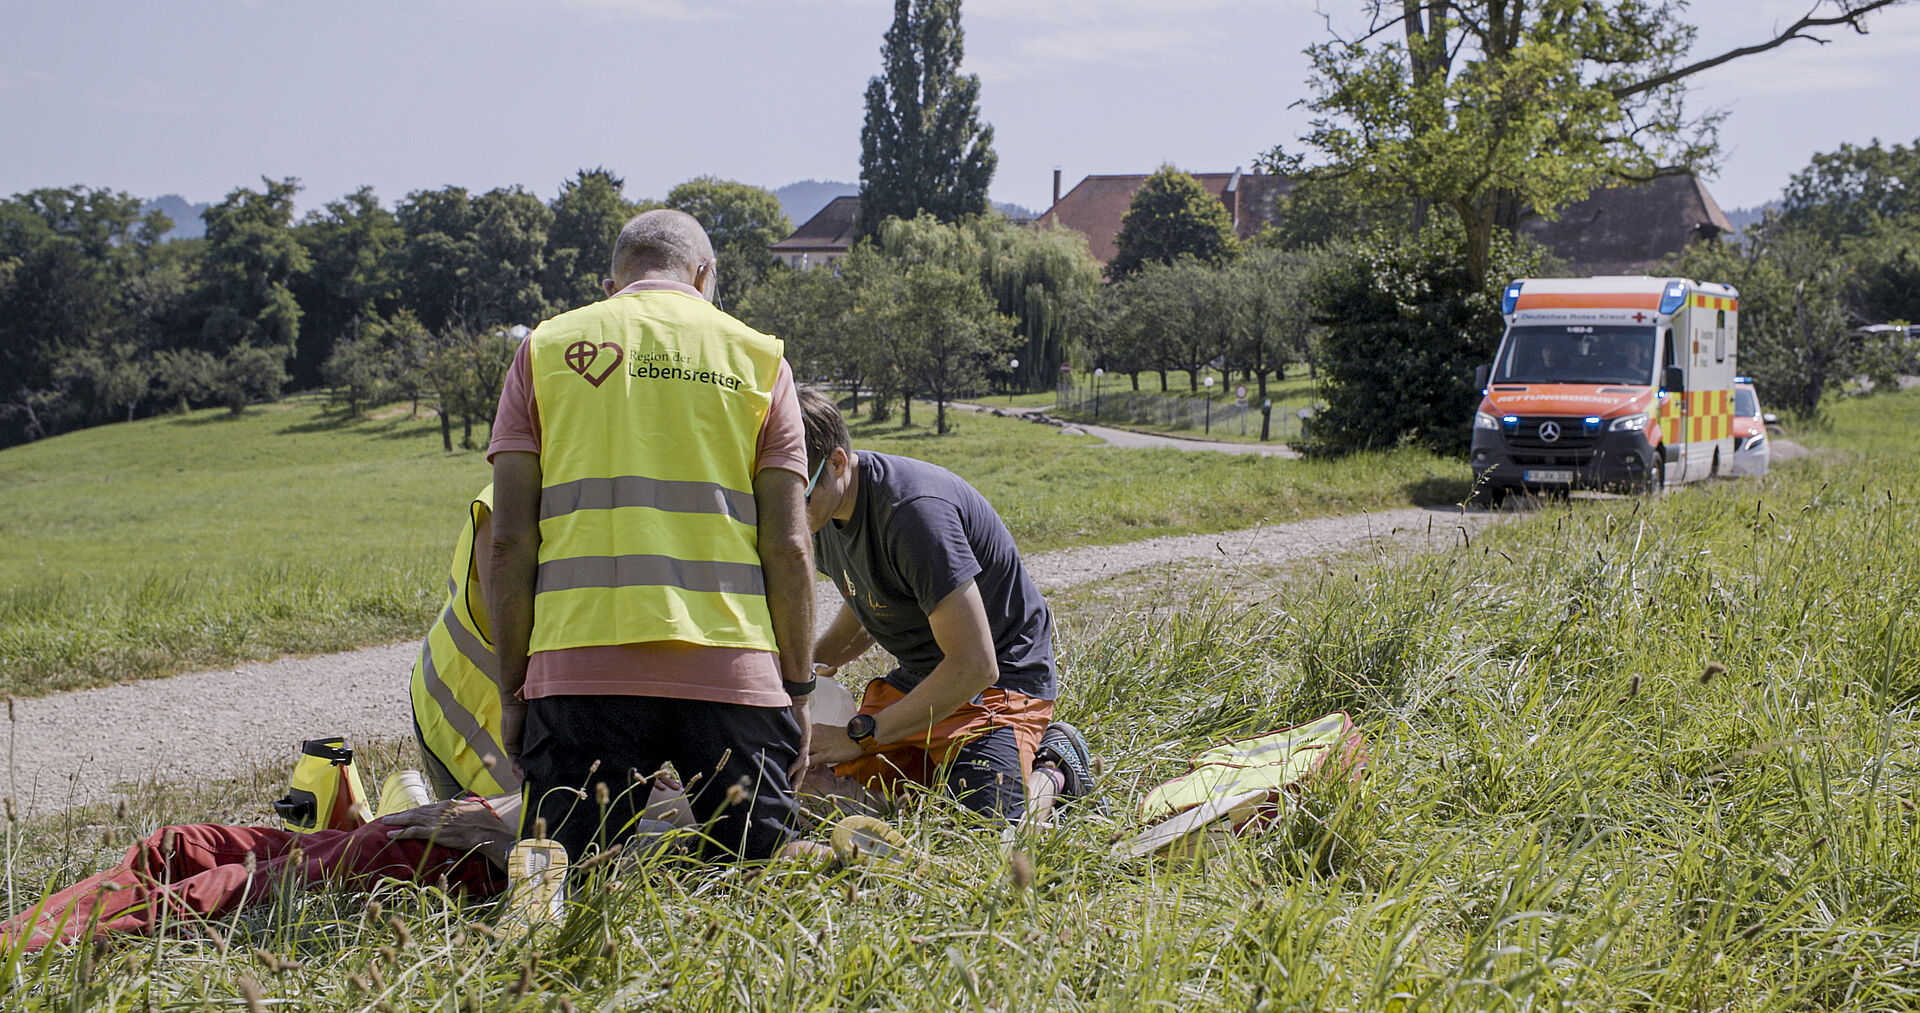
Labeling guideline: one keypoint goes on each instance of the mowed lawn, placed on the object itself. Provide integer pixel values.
(1624, 754)
(183, 542)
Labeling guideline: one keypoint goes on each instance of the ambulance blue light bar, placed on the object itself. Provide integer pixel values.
(1510, 298)
(1673, 298)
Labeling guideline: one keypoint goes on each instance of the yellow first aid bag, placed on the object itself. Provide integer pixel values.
(324, 792)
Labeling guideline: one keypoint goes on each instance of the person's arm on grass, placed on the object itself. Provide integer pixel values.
(786, 559)
(970, 667)
(512, 562)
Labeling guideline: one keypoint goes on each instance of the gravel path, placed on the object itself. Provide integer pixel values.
(87, 746)
(1132, 438)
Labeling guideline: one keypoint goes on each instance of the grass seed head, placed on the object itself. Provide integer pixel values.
(600, 794)
(1713, 670)
(400, 933)
(250, 991)
(736, 794)
(489, 761)
(1020, 869)
(539, 826)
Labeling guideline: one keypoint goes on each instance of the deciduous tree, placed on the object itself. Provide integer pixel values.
(1172, 216)
(742, 220)
(587, 216)
(1486, 108)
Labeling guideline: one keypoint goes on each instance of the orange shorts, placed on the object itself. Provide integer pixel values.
(918, 760)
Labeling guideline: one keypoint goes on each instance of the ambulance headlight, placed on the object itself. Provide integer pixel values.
(1629, 423)
(1481, 420)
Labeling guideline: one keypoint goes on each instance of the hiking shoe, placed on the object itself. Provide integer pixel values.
(1063, 746)
(856, 836)
(536, 882)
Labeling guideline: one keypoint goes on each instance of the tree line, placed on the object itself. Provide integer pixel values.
(102, 320)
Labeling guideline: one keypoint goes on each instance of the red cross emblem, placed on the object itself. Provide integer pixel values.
(1638, 317)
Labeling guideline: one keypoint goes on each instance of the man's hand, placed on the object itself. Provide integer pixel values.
(460, 824)
(831, 745)
(803, 714)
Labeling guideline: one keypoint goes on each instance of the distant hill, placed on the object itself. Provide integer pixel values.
(804, 199)
(187, 223)
(1743, 217)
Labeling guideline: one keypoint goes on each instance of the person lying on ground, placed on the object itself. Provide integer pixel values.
(189, 874)
(926, 568)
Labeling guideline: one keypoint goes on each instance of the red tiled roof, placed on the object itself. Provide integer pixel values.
(1629, 229)
(831, 229)
(1095, 206)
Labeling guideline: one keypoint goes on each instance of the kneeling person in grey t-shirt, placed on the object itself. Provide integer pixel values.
(926, 569)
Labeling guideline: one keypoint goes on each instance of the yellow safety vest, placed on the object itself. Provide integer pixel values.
(456, 681)
(651, 405)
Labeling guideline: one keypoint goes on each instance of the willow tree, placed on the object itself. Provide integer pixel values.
(1044, 279)
(1489, 108)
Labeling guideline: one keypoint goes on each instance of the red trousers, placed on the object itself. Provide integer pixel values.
(188, 873)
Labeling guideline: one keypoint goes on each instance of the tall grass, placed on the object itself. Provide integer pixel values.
(1626, 754)
(176, 543)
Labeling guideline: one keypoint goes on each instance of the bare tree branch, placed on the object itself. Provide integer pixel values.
(1797, 30)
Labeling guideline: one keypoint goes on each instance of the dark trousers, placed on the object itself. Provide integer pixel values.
(588, 759)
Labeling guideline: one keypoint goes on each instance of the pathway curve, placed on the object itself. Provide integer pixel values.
(89, 745)
(1132, 438)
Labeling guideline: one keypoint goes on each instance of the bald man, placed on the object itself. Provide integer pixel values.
(650, 593)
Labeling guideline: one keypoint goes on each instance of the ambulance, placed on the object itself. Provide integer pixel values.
(1614, 383)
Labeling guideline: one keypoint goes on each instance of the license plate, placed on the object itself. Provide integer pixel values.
(1562, 477)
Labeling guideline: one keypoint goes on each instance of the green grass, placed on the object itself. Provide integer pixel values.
(1175, 412)
(1626, 755)
(179, 543)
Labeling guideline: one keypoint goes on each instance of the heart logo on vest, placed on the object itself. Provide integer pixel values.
(581, 356)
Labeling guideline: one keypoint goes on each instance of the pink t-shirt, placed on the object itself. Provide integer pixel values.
(666, 668)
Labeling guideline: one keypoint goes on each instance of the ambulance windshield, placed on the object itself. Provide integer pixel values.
(1576, 353)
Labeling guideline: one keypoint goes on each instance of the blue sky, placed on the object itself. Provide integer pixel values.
(199, 96)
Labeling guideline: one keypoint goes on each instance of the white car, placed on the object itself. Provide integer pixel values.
(1751, 450)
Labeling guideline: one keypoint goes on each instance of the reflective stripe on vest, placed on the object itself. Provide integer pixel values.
(651, 405)
(456, 680)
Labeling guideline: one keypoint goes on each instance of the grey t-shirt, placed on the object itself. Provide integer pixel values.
(918, 532)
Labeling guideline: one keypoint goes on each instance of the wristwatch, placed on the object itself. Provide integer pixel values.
(860, 729)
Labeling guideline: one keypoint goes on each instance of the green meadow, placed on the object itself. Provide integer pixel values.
(185, 542)
(1625, 754)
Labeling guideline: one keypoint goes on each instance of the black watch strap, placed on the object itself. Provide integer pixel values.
(796, 690)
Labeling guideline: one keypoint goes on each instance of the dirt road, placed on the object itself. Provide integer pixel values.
(88, 746)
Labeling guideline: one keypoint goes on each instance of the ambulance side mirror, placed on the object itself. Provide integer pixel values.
(1675, 379)
(1481, 374)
